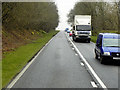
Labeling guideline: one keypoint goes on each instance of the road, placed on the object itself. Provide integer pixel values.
(108, 73)
(58, 66)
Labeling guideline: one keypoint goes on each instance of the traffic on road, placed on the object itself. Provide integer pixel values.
(108, 72)
(71, 60)
(105, 50)
(68, 64)
(60, 44)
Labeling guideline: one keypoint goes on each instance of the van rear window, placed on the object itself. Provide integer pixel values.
(108, 42)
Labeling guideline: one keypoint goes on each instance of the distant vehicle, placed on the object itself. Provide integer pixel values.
(82, 28)
(66, 29)
(107, 47)
(70, 34)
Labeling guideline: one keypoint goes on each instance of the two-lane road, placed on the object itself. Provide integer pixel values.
(57, 66)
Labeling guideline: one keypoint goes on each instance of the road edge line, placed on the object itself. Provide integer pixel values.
(12, 83)
(88, 65)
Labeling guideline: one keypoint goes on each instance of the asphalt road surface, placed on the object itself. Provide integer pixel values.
(58, 66)
(108, 73)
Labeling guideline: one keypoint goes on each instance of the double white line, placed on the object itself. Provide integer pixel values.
(92, 72)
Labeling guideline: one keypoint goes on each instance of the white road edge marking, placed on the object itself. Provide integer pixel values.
(88, 65)
(93, 84)
(27, 66)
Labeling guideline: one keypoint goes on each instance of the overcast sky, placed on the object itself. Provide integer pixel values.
(64, 7)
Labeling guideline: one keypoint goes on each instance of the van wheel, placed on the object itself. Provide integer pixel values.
(88, 41)
(74, 38)
(102, 60)
(96, 56)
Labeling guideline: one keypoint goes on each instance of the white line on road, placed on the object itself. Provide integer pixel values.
(82, 64)
(76, 54)
(88, 65)
(26, 67)
(93, 84)
(73, 49)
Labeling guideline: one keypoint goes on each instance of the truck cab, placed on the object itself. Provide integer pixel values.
(107, 47)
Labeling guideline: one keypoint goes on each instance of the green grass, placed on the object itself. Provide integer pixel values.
(95, 33)
(14, 61)
(93, 39)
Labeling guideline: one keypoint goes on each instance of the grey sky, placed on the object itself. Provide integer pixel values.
(64, 7)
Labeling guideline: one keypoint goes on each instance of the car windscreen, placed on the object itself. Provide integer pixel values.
(108, 42)
(83, 27)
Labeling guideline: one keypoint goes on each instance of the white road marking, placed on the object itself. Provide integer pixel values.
(93, 73)
(26, 67)
(73, 49)
(76, 54)
(82, 64)
(93, 84)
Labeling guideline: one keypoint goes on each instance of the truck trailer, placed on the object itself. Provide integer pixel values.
(82, 28)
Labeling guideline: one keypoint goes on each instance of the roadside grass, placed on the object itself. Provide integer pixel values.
(93, 39)
(14, 61)
(95, 34)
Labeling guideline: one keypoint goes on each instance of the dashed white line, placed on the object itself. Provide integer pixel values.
(93, 73)
(76, 54)
(93, 84)
(82, 64)
(73, 49)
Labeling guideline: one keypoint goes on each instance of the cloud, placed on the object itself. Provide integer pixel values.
(64, 7)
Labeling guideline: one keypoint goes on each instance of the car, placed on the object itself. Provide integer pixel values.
(70, 34)
(68, 31)
(107, 47)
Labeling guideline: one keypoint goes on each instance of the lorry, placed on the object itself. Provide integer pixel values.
(82, 28)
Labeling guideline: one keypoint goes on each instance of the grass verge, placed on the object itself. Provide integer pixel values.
(14, 61)
(93, 39)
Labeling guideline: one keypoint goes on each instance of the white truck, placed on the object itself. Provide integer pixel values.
(82, 28)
